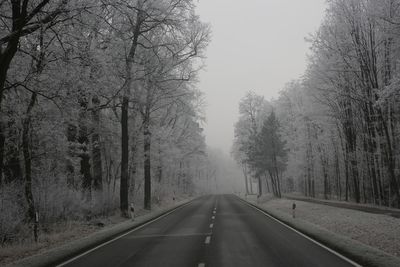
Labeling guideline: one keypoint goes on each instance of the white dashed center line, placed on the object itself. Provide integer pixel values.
(213, 217)
(201, 265)
(208, 239)
(211, 225)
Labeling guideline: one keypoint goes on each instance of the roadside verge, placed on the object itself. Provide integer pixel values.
(362, 254)
(74, 248)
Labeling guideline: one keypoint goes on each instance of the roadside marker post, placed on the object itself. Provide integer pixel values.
(35, 227)
(294, 210)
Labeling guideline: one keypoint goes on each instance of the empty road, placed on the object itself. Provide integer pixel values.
(219, 230)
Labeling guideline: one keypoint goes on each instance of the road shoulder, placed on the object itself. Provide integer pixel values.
(74, 248)
(354, 250)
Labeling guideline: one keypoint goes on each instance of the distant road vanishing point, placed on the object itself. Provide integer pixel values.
(218, 230)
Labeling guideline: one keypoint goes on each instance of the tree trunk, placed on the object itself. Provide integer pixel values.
(279, 185)
(147, 166)
(28, 166)
(96, 147)
(8, 53)
(310, 163)
(2, 147)
(133, 163)
(86, 175)
(356, 182)
(266, 183)
(273, 184)
(160, 163)
(246, 180)
(371, 146)
(346, 168)
(124, 187)
(324, 165)
(338, 176)
(394, 185)
(6, 57)
(83, 139)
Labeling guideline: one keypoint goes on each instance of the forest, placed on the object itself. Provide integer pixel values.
(98, 109)
(334, 133)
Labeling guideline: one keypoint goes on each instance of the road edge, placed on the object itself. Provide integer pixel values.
(65, 252)
(355, 251)
(380, 210)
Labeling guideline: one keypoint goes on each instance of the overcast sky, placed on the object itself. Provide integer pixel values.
(256, 45)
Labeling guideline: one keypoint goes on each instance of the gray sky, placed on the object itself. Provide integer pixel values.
(256, 45)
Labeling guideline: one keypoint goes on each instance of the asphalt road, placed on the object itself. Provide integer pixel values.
(212, 231)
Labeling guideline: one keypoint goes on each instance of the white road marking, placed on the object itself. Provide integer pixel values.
(208, 239)
(211, 225)
(201, 265)
(214, 211)
(303, 235)
(118, 237)
(177, 235)
(213, 217)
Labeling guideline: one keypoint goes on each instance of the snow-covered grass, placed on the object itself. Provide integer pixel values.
(69, 238)
(60, 234)
(375, 230)
(371, 239)
(341, 202)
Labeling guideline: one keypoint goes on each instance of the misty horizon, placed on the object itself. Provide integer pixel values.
(253, 54)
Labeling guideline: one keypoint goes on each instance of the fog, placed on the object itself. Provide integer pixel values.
(227, 177)
(256, 45)
(103, 155)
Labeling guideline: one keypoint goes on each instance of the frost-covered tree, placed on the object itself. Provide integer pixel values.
(340, 124)
(267, 153)
(253, 109)
(85, 86)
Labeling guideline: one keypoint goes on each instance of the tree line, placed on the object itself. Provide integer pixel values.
(340, 121)
(258, 145)
(98, 106)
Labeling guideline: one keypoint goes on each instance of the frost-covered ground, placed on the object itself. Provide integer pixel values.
(66, 232)
(379, 231)
(366, 207)
(59, 235)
